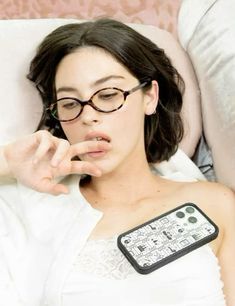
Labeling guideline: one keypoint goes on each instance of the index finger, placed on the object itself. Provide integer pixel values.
(89, 146)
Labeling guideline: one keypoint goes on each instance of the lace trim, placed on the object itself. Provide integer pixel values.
(102, 258)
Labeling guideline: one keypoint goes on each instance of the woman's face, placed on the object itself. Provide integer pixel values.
(80, 75)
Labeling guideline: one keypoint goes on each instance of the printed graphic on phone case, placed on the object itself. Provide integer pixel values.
(167, 237)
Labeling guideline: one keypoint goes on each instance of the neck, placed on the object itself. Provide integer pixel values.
(126, 185)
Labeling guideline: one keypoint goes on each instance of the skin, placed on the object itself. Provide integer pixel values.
(125, 197)
(108, 73)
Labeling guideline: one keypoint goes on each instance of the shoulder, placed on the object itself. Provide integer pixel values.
(218, 203)
(213, 194)
(215, 199)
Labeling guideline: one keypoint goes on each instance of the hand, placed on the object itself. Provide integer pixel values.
(38, 159)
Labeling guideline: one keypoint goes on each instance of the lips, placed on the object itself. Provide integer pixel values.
(97, 136)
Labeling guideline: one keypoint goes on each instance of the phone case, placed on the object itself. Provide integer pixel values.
(167, 237)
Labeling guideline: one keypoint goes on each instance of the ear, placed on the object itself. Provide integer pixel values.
(151, 98)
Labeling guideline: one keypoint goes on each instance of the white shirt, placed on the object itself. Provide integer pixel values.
(101, 275)
(42, 238)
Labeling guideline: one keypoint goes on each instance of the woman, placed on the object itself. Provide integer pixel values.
(112, 102)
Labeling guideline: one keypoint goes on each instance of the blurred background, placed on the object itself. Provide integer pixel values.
(161, 13)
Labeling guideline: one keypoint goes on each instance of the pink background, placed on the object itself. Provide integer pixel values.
(161, 13)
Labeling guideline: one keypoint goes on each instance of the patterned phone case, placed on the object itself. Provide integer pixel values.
(165, 238)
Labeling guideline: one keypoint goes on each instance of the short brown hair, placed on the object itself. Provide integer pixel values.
(163, 130)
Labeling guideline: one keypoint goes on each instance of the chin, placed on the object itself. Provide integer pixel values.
(104, 164)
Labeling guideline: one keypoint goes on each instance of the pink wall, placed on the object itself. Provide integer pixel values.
(162, 13)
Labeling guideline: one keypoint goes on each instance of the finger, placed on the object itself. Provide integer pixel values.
(46, 142)
(89, 146)
(48, 186)
(59, 189)
(61, 151)
(83, 167)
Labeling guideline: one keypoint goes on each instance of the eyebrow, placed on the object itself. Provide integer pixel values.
(67, 89)
(107, 78)
(97, 82)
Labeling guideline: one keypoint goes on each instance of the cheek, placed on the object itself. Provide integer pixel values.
(71, 132)
(129, 125)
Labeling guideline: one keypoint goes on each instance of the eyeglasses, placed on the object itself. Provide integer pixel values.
(106, 100)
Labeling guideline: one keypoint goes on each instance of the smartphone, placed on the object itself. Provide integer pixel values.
(167, 237)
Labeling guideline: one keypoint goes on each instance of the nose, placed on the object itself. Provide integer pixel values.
(89, 115)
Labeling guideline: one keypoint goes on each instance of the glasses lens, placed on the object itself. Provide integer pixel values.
(108, 99)
(66, 109)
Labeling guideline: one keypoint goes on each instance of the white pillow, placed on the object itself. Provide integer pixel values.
(207, 32)
(21, 107)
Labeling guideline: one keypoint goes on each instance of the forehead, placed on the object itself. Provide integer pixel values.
(88, 64)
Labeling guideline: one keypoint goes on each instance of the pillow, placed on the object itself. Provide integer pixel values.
(21, 106)
(207, 32)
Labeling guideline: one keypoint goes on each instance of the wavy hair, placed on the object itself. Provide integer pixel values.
(143, 59)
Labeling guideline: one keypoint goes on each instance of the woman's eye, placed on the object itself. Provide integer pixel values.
(69, 105)
(108, 95)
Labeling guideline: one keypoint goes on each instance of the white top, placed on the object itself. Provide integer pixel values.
(45, 259)
(101, 275)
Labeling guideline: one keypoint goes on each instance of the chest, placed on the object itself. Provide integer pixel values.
(115, 222)
(102, 275)
(118, 219)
